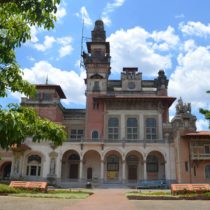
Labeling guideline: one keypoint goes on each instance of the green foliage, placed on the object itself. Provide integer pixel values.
(6, 189)
(21, 122)
(67, 194)
(205, 112)
(16, 19)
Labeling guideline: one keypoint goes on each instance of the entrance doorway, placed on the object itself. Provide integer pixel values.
(73, 174)
(132, 163)
(132, 172)
(89, 173)
(74, 160)
(113, 168)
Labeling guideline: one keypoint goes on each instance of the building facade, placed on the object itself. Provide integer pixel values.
(123, 136)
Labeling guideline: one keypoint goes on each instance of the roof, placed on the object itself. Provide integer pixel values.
(167, 99)
(56, 87)
(198, 134)
(21, 147)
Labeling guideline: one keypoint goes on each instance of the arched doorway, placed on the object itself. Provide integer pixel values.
(70, 165)
(74, 166)
(113, 166)
(134, 166)
(92, 165)
(5, 170)
(113, 163)
(155, 166)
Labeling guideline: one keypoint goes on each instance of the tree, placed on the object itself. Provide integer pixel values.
(22, 122)
(16, 19)
(206, 112)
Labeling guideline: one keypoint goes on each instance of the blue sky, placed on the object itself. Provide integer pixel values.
(150, 34)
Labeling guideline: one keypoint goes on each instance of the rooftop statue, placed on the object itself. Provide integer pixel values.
(182, 108)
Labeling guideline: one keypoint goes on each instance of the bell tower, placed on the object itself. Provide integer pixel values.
(97, 60)
(97, 65)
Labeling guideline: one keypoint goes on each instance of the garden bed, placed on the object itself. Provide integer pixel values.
(5, 190)
(161, 195)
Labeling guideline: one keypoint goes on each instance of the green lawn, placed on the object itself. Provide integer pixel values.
(65, 193)
(148, 193)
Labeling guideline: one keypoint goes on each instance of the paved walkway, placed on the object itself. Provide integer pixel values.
(104, 199)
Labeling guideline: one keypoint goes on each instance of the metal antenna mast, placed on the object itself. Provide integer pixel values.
(81, 60)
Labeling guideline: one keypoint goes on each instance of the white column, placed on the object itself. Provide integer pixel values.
(80, 170)
(160, 127)
(58, 169)
(123, 171)
(141, 126)
(102, 170)
(122, 126)
(145, 170)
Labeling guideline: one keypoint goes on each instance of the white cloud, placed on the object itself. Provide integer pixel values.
(64, 40)
(190, 79)
(180, 16)
(65, 50)
(134, 48)
(64, 43)
(83, 14)
(34, 33)
(71, 83)
(165, 40)
(110, 7)
(47, 44)
(195, 28)
(30, 58)
(202, 125)
(61, 12)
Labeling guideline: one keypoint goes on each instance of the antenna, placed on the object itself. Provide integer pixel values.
(82, 38)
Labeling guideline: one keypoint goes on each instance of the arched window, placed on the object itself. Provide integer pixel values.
(152, 164)
(95, 135)
(132, 128)
(207, 172)
(113, 163)
(113, 128)
(34, 165)
(74, 157)
(151, 128)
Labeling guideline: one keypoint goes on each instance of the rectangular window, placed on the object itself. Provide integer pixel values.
(151, 128)
(113, 128)
(76, 134)
(186, 166)
(47, 96)
(207, 149)
(152, 167)
(132, 128)
(33, 170)
(194, 170)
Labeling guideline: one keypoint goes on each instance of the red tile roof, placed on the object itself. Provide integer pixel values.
(198, 133)
(56, 87)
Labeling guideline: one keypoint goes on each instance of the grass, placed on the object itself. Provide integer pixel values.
(149, 193)
(65, 193)
(168, 194)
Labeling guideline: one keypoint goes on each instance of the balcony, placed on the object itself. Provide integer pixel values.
(200, 156)
(115, 141)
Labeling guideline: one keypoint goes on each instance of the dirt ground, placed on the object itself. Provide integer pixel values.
(172, 205)
(19, 203)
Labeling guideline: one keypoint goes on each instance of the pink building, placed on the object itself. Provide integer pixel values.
(123, 136)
